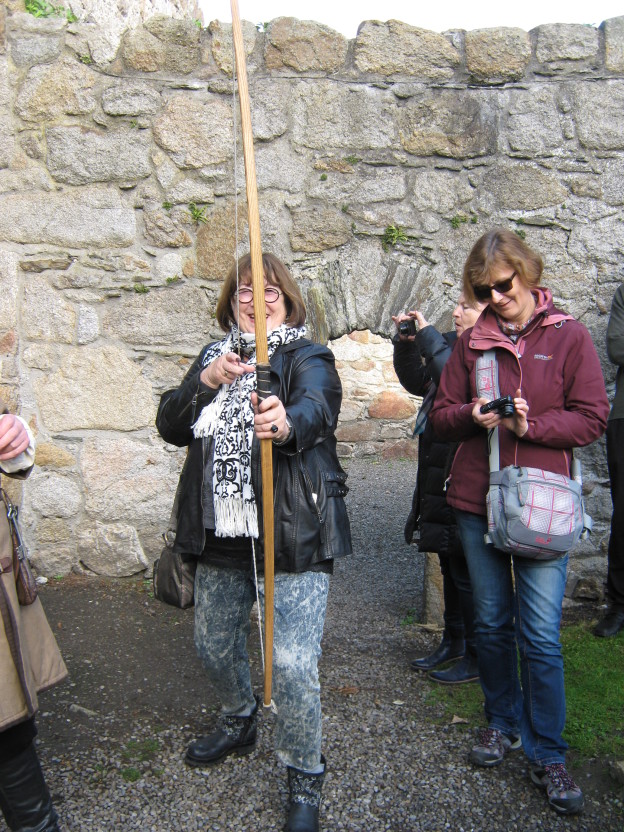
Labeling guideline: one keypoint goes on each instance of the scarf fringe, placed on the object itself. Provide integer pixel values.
(209, 417)
(235, 518)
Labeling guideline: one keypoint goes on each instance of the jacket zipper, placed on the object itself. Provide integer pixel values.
(314, 496)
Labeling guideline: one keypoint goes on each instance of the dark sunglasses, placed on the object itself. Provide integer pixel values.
(485, 292)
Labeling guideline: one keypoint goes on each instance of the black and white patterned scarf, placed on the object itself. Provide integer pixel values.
(229, 419)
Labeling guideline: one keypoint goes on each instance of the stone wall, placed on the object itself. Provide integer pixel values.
(380, 161)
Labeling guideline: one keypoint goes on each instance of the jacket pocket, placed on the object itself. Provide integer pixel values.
(335, 483)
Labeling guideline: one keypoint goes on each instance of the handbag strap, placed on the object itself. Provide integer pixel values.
(11, 631)
(12, 512)
(489, 369)
(170, 534)
(487, 388)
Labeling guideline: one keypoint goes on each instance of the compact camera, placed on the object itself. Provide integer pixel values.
(503, 406)
(407, 328)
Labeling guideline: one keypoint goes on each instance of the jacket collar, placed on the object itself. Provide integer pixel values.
(486, 333)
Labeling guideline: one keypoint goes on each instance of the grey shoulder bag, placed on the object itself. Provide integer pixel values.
(531, 512)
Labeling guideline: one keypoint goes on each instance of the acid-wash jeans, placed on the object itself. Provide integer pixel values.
(223, 601)
(523, 622)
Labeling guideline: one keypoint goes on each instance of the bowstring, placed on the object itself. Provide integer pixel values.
(238, 345)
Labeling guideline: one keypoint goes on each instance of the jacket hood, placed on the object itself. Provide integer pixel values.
(486, 333)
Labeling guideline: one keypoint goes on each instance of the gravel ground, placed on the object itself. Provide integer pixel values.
(112, 738)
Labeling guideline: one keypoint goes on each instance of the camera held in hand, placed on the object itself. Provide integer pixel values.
(503, 406)
(407, 328)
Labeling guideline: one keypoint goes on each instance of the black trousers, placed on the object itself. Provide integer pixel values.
(24, 797)
(458, 604)
(615, 461)
(16, 739)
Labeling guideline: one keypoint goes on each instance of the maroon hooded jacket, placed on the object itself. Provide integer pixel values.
(555, 365)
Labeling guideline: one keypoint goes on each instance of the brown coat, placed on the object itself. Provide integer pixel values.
(30, 660)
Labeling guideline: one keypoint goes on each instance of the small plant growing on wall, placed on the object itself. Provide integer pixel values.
(42, 8)
(520, 231)
(198, 215)
(392, 235)
(458, 220)
(141, 288)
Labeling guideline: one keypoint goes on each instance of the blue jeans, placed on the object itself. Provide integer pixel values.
(517, 606)
(223, 601)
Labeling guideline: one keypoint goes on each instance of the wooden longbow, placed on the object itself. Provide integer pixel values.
(262, 354)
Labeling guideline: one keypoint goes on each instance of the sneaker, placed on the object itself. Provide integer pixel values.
(563, 794)
(492, 747)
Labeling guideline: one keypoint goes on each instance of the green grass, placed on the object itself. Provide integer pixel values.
(462, 701)
(141, 750)
(594, 681)
(409, 618)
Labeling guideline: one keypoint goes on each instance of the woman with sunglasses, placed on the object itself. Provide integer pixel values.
(548, 365)
(216, 414)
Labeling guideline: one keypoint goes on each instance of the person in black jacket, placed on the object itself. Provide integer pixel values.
(216, 414)
(418, 362)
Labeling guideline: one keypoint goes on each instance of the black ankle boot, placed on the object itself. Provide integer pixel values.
(305, 800)
(24, 796)
(465, 670)
(451, 647)
(236, 735)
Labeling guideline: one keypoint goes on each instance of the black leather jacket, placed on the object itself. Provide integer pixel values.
(419, 365)
(311, 523)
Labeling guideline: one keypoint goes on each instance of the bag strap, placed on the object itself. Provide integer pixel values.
(487, 388)
(170, 535)
(12, 512)
(11, 630)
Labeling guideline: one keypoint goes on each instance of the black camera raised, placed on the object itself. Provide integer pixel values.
(503, 406)
(407, 328)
